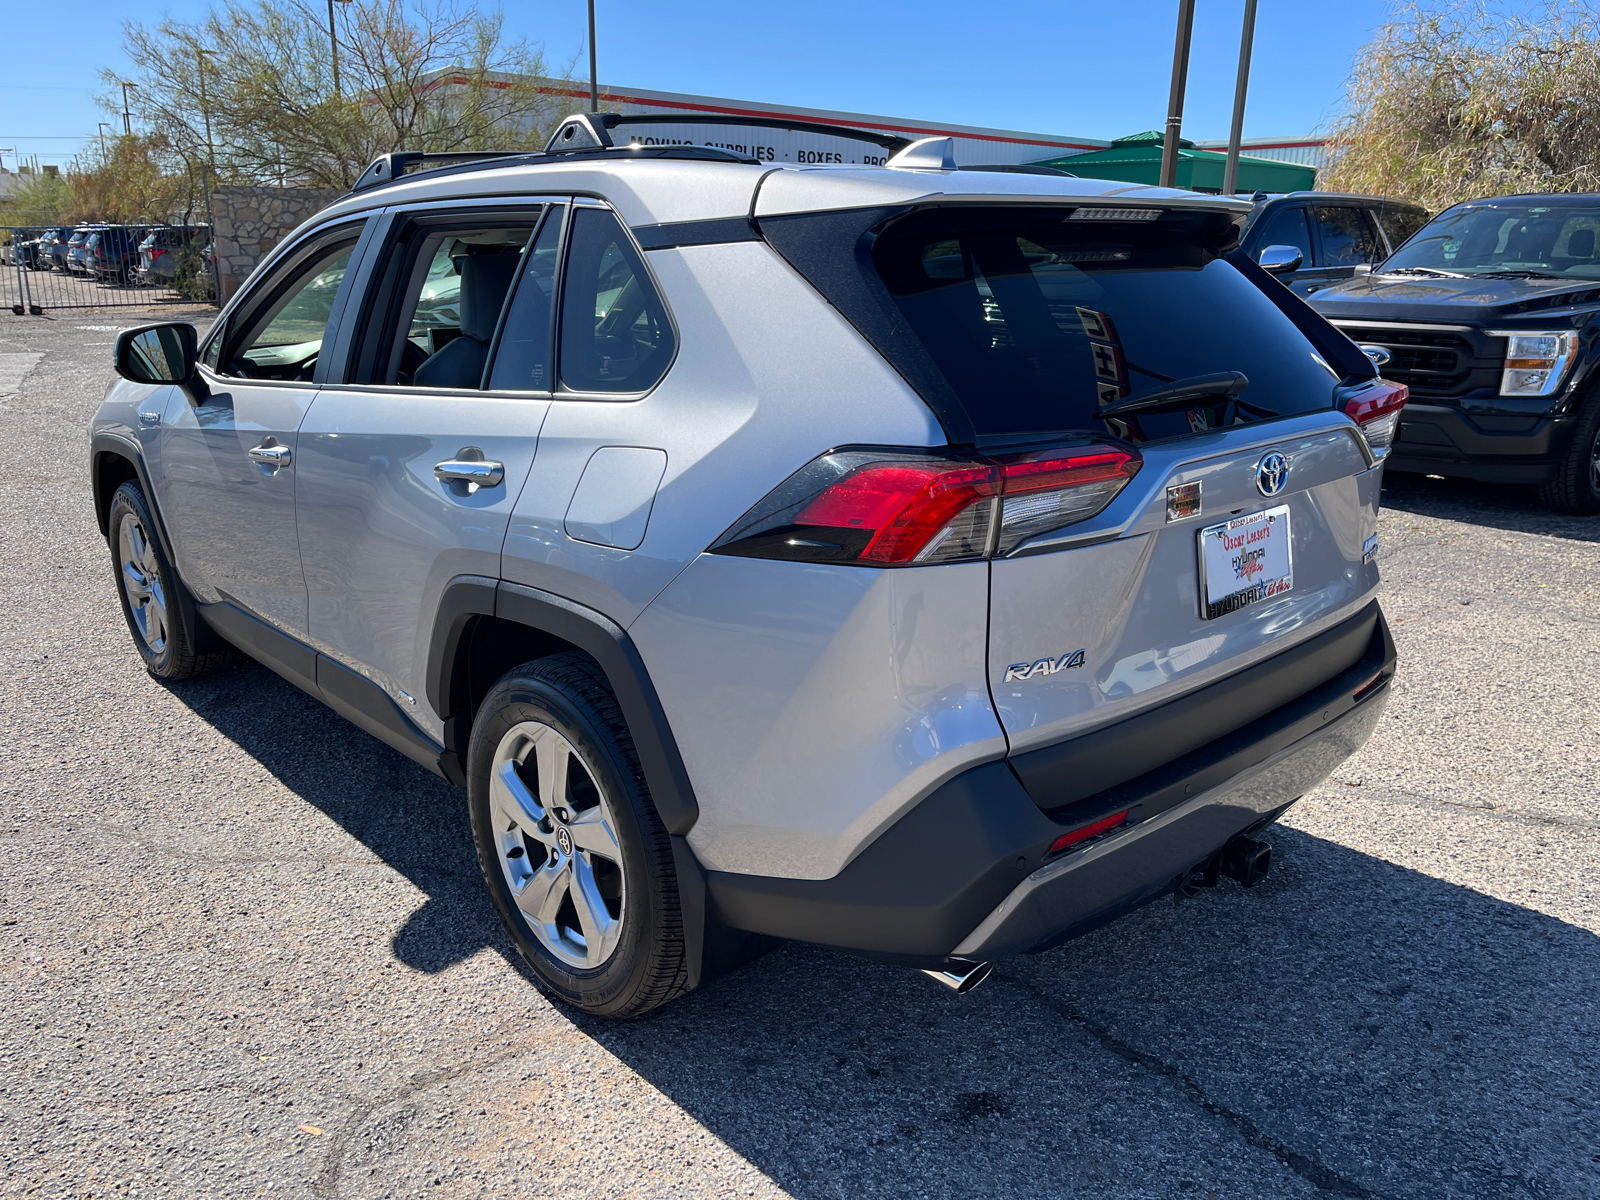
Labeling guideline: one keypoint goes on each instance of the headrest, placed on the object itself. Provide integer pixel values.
(1580, 243)
(485, 279)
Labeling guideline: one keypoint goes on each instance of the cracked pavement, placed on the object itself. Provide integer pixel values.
(244, 949)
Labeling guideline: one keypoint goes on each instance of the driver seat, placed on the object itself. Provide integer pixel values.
(485, 279)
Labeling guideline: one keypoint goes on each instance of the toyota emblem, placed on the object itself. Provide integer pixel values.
(1272, 474)
(563, 840)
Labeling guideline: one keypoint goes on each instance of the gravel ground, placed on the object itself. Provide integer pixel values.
(245, 950)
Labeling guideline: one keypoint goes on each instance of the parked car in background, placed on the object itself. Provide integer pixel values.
(905, 565)
(77, 249)
(113, 253)
(162, 250)
(1338, 235)
(53, 246)
(22, 248)
(1487, 315)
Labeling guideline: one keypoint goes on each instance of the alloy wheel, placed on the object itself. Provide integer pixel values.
(1594, 462)
(555, 835)
(141, 579)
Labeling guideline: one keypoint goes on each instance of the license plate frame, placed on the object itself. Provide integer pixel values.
(1269, 553)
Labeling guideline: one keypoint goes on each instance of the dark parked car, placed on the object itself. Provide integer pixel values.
(112, 253)
(1487, 315)
(1338, 236)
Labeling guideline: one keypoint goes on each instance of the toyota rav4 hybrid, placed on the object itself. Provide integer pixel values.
(1487, 315)
(926, 563)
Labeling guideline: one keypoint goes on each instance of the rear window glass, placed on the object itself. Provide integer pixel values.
(1037, 321)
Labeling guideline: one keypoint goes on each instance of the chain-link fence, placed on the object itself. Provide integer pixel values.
(106, 266)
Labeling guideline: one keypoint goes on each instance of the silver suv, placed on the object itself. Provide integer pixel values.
(926, 563)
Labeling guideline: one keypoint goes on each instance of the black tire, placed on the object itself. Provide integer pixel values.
(568, 693)
(1575, 486)
(172, 653)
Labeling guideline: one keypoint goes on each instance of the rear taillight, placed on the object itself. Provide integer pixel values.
(1376, 410)
(887, 509)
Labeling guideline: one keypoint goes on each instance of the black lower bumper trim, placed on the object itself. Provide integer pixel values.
(930, 879)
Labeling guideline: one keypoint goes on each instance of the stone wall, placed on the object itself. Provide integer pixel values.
(251, 221)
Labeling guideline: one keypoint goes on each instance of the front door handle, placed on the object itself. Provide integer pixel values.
(474, 473)
(270, 456)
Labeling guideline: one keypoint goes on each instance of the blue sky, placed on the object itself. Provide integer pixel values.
(1092, 69)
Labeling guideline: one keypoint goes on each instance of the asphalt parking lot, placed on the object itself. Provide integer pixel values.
(245, 952)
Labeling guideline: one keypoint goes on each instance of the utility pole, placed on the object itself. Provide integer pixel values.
(1230, 173)
(594, 84)
(333, 39)
(103, 127)
(127, 121)
(200, 53)
(1180, 78)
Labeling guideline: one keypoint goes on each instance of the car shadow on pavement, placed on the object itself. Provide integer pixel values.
(1358, 1028)
(411, 819)
(1498, 506)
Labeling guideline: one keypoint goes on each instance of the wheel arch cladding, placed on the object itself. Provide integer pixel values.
(481, 624)
(112, 464)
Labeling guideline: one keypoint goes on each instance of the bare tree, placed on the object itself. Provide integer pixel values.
(249, 92)
(1460, 98)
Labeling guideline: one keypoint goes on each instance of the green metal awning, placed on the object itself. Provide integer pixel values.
(1137, 159)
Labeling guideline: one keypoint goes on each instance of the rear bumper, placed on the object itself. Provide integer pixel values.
(969, 871)
(1492, 448)
(1085, 890)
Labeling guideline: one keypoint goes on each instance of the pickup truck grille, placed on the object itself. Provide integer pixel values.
(1434, 362)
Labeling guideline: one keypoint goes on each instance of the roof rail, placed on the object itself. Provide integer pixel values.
(592, 131)
(387, 168)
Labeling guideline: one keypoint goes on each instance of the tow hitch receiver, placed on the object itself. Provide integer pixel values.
(1247, 860)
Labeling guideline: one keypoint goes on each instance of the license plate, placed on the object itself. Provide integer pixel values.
(1244, 561)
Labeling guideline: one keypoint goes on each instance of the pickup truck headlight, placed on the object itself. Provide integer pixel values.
(1536, 361)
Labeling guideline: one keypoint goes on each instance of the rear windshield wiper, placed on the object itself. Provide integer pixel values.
(1423, 271)
(1219, 388)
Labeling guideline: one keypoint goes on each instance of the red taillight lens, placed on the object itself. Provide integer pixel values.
(872, 509)
(1376, 410)
(1067, 840)
(906, 506)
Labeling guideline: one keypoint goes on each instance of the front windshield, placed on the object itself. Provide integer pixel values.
(1519, 237)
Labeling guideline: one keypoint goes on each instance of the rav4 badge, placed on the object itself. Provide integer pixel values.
(1045, 666)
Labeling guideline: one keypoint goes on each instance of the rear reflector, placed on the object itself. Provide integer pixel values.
(887, 508)
(1376, 410)
(1068, 840)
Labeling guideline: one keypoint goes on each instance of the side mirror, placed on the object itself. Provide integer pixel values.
(160, 354)
(1280, 260)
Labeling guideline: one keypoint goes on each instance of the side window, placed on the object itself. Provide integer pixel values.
(522, 360)
(1400, 223)
(615, 336)
(282, 337)
(1347, 238)
(1286, 227)
(453, 282)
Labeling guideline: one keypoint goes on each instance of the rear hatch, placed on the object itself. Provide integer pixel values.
(1243, 521)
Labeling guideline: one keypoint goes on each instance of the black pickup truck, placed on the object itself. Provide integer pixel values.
(1486, 314)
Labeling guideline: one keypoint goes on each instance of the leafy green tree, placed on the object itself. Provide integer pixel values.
(248, 92)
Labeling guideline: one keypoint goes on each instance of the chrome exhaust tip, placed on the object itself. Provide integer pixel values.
(962, 976)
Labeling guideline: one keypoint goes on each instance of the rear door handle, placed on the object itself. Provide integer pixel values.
(475, 473)
(270, 456)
